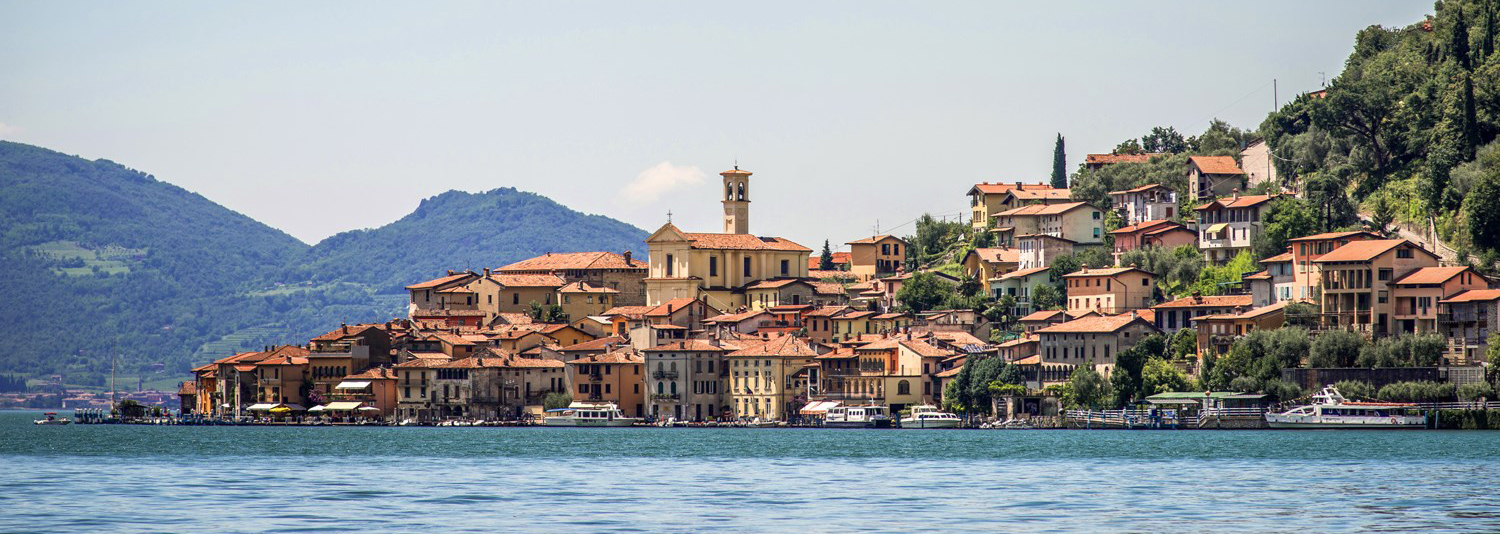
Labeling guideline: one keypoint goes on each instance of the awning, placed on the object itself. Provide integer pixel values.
(368, 409)
(817, 407)
(260, 407)
(294, 407)
(342, 406)
(353, 384)
(317, 408)
(1217, 228)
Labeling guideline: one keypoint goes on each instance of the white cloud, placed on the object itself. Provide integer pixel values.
(651, 183)
(7, 129)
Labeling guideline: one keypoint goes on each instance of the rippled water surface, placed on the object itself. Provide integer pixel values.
(136, 478)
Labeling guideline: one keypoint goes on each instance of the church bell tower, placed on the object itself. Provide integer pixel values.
(736, 201)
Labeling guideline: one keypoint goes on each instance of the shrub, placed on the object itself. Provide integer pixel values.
(1417, 391)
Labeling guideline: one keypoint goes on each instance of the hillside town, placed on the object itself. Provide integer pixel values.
(735, 326)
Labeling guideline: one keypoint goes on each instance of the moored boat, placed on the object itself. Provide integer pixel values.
(870, 416)
(928, 416)
(52, 419)
(1330, 409)
(590, 414)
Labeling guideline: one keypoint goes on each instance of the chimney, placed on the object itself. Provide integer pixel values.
(486, 271)
(451, 273)
(1018, 184)
(1236, 193)
(1132, 265)
(627, 257)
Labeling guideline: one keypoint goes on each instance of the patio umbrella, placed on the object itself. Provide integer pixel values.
(368, 409)
(281, 409)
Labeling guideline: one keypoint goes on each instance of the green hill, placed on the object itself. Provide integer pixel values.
(458, 230)
(98, 261)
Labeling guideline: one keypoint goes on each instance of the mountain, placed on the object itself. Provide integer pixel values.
(101, 262)
(458, 230)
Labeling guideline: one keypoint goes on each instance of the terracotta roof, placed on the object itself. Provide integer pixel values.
(958, 338)
(346, 331)
(1242, 201)
(1211, 301)
(1044, 209)
(874, 239)
(889, 316)
(513, 317)
(1101, 324)
(1247, 314)
(374, 373)
(1148, 314)
(602, 343)
(1140, 189)
(1043, 315)
(775, 283)
(1023, 273)
(1475, 295)
(1110, 159)
(672, 306)
(826, 311)
(1365, 250)
(1430, 275)
(925, 349)
(827, 288)
(187, 388)
(1334, 235)
(841, 353)
(697, 345)
(743, 242)
(861, 314)
(633, 312)
(819, 273)
(735, 317)
(447, 313)
(284, 360)
(997, 187)
(244, 368)
(951, 372)
(584, 287)
(789, 346)
(528, 280)
(1279, 258)
(610, 357)
(572, 261)
(1263, 275)
(435, 282)
(1216, 165)
(1143, 225)
(1040, 194)
(1029, 360)
(839, 258)
(421, 363)
(999, 255)
(1111, 271)
(1029, 338)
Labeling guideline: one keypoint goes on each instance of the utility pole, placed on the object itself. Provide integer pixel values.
(1275, 96)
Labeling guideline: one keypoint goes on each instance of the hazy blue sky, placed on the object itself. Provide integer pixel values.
(322, 117)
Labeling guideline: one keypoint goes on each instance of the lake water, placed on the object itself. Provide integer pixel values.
(89, 478)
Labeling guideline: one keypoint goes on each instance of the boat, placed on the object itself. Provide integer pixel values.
(1010, 424)
(869, 416)
(1330, 409)
(52, 419)
(928, 416)
(589, 414)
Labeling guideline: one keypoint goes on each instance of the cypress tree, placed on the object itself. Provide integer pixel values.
(1059, 164)
(1459, 41)
(1471, 120)
(1488, 46)
(825, 262)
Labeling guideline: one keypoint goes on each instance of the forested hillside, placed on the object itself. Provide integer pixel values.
(458, 230)
(100, 261)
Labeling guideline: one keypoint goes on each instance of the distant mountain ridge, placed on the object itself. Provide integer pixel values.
(459, 230)
(98, 260)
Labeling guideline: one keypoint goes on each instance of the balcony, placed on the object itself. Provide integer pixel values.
(596, 377)
(666, 396)
(664, 375)
(1463, 317)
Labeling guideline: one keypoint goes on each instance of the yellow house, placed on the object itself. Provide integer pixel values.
(580, 299)
(876, 256)
(987, 264)
(853, 324)
(518, 291)
(717, 267)
(1110, 291)
(767, 379)
(987, 198)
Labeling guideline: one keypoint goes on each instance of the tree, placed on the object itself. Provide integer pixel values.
(1183, 345)
(1046, 297)
(1335, 348)
(1176, 268)
(1086, 389)
(1482, 207)
(556, 400)
(1059, 164)
(825, 261)
(1125, 380)
(1458, 41)
(1164, 140)
(1160, 376)
(1129, 146)
(1355, 389)
(922, 292)
(1330, 202)
(1382, 214)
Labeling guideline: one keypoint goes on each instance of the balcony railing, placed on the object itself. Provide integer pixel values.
(595, 377)
(665, 396)
(664, 375)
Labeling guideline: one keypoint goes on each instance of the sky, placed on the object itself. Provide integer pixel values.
(854, 117)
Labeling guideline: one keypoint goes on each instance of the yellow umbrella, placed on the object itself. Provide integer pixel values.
(281, 409)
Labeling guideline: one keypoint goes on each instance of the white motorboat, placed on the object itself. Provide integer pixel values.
(928, 416)
(870, 416)
(590, 414)
(1329, 409)
(52, 419)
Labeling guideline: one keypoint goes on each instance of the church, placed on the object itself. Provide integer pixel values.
(717, 267)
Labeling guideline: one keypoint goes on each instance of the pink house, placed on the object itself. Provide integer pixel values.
(1157, 233)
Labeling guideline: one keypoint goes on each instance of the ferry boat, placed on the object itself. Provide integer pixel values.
(870, 416)
(52, 419)
(590, 414)
(1331, 410)
(928, 416)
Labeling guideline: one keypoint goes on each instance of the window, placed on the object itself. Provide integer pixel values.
(1096, 217)
(1403, 252)
(896, 249)
(903, 388)
(1385, 274)
(1096, 230)
(786, 267)
(713, 266)
(670, 268)
(747, 266)
(515, 298)
(1145, 281)
(885, 248)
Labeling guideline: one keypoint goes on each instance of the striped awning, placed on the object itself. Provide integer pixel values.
(1217, 228)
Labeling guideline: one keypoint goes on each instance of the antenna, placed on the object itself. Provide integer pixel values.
(1324, 77)
(669, 216)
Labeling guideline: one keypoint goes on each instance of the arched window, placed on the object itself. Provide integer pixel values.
(742, 191)
(674, 388)
(903, 388)
(659, 388)
(729, 191)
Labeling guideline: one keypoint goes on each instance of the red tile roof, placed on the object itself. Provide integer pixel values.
(1215, 165)
(785, 346)
(1334, 235)
(610, 358)
(1143, 225)
(743, 242)
(1365, 250)
(690, 345)
(1140, 189)
(775, 283)
(999, 255)
(1211, 301)
(441, 281)
(1475, 295)
(574, 261)
(1023, 273)
(874, 239)
(997, 187)
(584, 287)
(1110, 271)
(1430, 275)
(1279, 258)
(1040, 194)
(602, 343)
(673, 306)
(633, 312)
(1242, 201)
(1101, 324)
(528, 280)
(1043, 315)
(815, 261)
